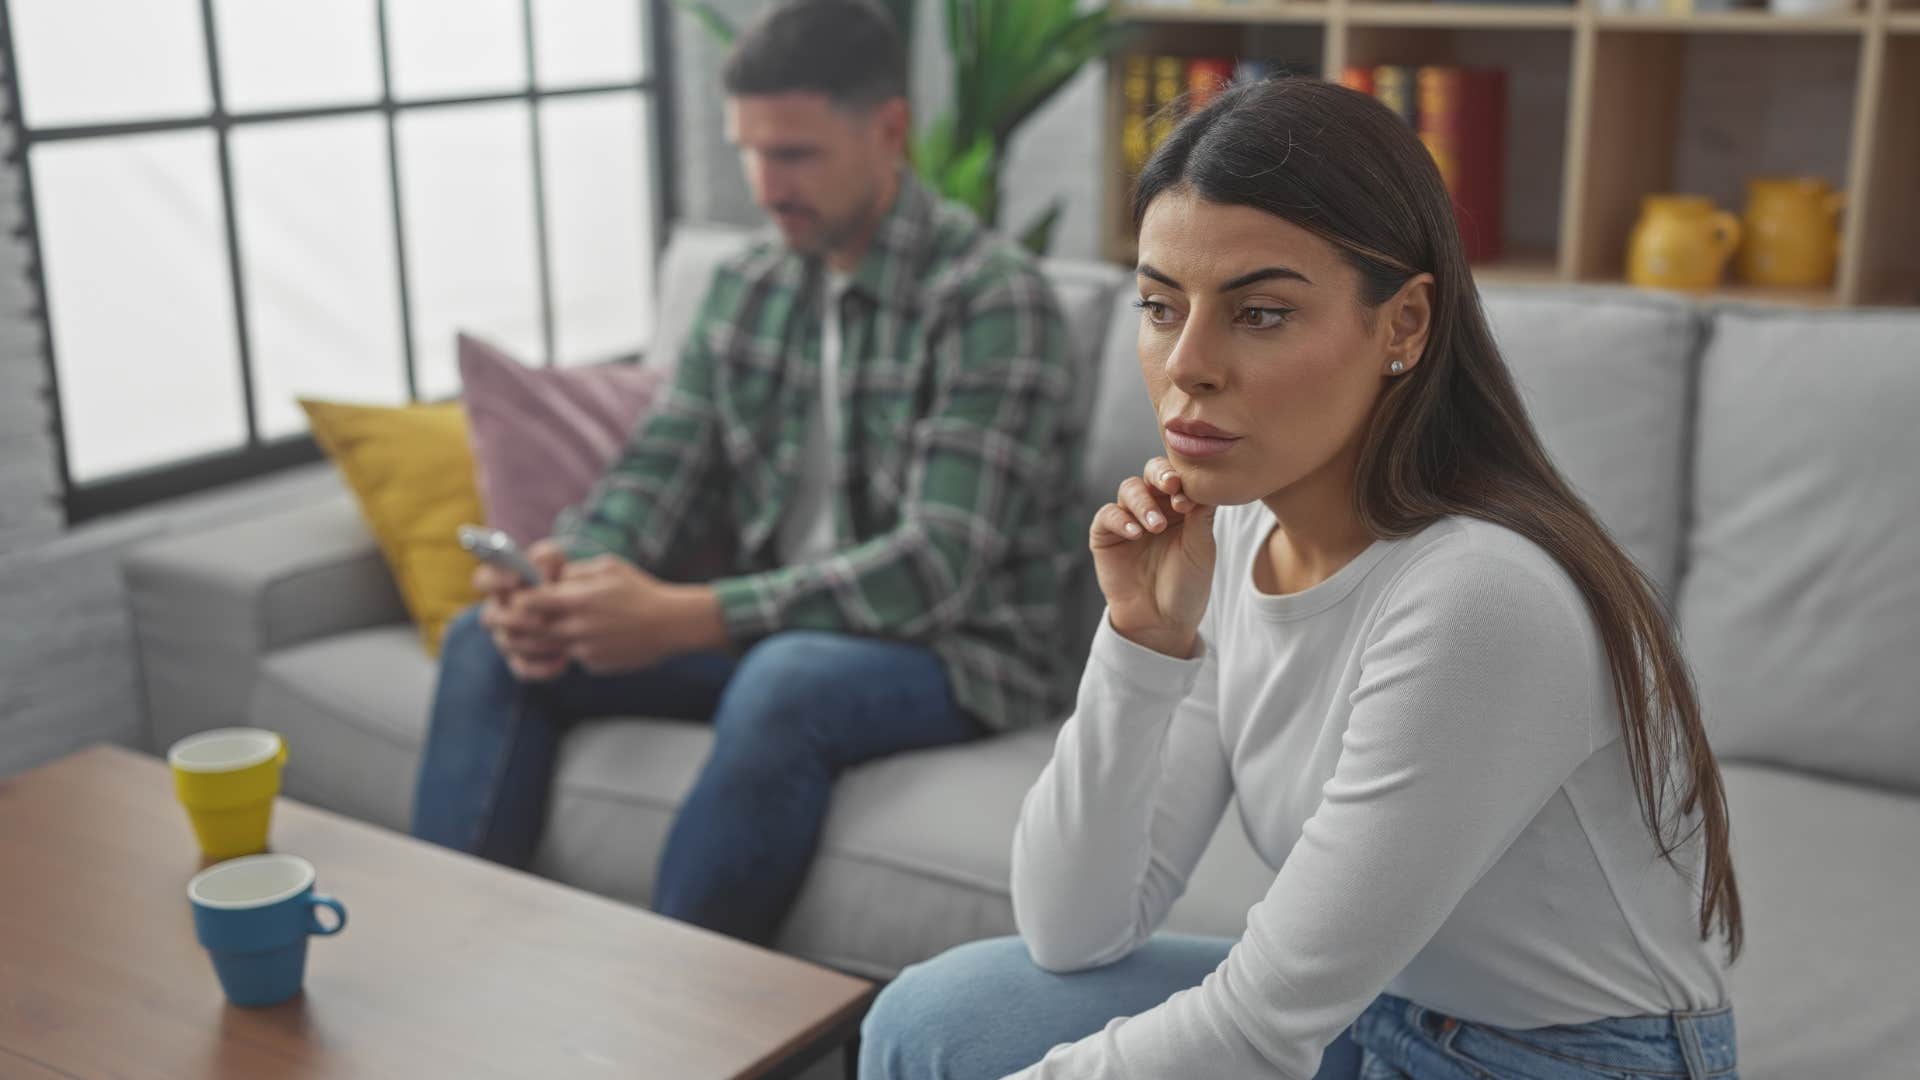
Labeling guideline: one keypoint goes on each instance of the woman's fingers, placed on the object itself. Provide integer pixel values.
(1112, 524)
(1162, 477)
(1144, 504)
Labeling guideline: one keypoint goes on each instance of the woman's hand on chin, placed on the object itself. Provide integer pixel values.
(1153, 555)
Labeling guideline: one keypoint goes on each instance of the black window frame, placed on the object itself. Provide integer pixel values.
(258, 456)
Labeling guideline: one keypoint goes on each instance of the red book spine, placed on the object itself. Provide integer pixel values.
(1206, 78)
(1355, 77)
(1463, 122)
(1482, 198)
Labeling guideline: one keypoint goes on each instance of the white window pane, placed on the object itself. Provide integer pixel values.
(286, 54)
(599, 224)
(451, 48)
(580, 42)
(134, 245)
(316, 234)
(91, 61)
(466, 186)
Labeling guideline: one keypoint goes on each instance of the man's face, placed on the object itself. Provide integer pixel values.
(817, 169)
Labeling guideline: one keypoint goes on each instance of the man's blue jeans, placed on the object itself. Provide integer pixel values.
(788, 716)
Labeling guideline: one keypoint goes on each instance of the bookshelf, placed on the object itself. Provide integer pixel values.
(1605, 108)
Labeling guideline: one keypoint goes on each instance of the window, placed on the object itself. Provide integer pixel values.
(234, 203)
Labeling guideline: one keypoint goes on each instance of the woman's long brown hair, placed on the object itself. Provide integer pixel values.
(1452, 436)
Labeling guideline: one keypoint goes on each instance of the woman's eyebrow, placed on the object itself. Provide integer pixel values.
(1265, 273)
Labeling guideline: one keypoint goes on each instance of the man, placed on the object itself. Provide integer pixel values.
(869, 422)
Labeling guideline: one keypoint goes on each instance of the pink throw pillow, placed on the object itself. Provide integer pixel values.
(542, 436)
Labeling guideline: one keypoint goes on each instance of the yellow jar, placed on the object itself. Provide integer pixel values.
(1792, 226)
(1680, 242)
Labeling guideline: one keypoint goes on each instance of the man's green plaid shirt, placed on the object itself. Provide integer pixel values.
(956, 506)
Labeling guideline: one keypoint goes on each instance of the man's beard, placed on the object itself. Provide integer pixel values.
(832, 235)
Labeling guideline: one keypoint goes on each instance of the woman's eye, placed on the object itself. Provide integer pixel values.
(1156, 311)
(1264, 318)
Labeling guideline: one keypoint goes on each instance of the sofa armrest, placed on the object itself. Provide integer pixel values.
(207, 606)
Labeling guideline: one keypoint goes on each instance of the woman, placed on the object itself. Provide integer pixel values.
(1356, 596)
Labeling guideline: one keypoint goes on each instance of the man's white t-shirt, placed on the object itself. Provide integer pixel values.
(806, 532)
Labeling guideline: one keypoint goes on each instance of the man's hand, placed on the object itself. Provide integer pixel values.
(522, 637)
(611, 616)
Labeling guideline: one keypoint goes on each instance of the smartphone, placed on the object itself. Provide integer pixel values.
(497, 548)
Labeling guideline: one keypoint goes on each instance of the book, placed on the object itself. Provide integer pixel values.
(1136, 104)
(1355, 77)
(1462, 120)
(1207, 77)
(1169, 94)
(1393, 85)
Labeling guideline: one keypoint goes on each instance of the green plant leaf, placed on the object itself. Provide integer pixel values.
(1087, 38)
(1037, 237)
(968, 175)
(717, 24)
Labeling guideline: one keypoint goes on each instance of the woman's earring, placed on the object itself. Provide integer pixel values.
(1396, 367)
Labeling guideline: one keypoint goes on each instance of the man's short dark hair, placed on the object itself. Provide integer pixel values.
(848, 50)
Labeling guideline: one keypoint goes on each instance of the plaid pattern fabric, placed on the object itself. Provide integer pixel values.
(955, 509)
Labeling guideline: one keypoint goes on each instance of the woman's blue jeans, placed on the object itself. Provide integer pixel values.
(983, 1010)
(788, 716)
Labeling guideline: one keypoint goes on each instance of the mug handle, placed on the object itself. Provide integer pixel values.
(314, 925)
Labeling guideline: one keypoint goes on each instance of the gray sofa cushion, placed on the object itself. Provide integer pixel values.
(207, 606)
(353, 711)
(1800, 602)
(1607, 377)
(913, 859)
(1829, 873)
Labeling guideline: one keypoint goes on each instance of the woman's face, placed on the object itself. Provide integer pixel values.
(1262, 363)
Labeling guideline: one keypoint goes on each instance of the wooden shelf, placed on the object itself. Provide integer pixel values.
(1463, 16)
(1239, 14)
(1735, 22)
(1608, 108)
(1520, 268)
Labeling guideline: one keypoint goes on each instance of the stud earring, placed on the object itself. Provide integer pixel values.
(1396, 367)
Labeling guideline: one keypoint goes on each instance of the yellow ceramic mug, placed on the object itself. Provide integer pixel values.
(1680, 242)
(1793, 231)
(227, 779)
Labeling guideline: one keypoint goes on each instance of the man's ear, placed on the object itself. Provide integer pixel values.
(893, 120)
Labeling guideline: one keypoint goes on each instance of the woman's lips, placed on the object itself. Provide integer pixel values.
(1198, 440)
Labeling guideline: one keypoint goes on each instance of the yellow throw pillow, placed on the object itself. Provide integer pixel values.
(412, 472)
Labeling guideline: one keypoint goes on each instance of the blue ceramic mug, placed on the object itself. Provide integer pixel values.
(254, 916)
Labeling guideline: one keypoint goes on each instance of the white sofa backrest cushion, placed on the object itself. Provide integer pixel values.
(1801, 602)
(694, 251)
(1607, 376)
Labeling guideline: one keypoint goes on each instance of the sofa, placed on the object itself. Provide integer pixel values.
(1761, 464)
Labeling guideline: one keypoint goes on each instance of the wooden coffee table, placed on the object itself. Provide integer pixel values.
(449, 966)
